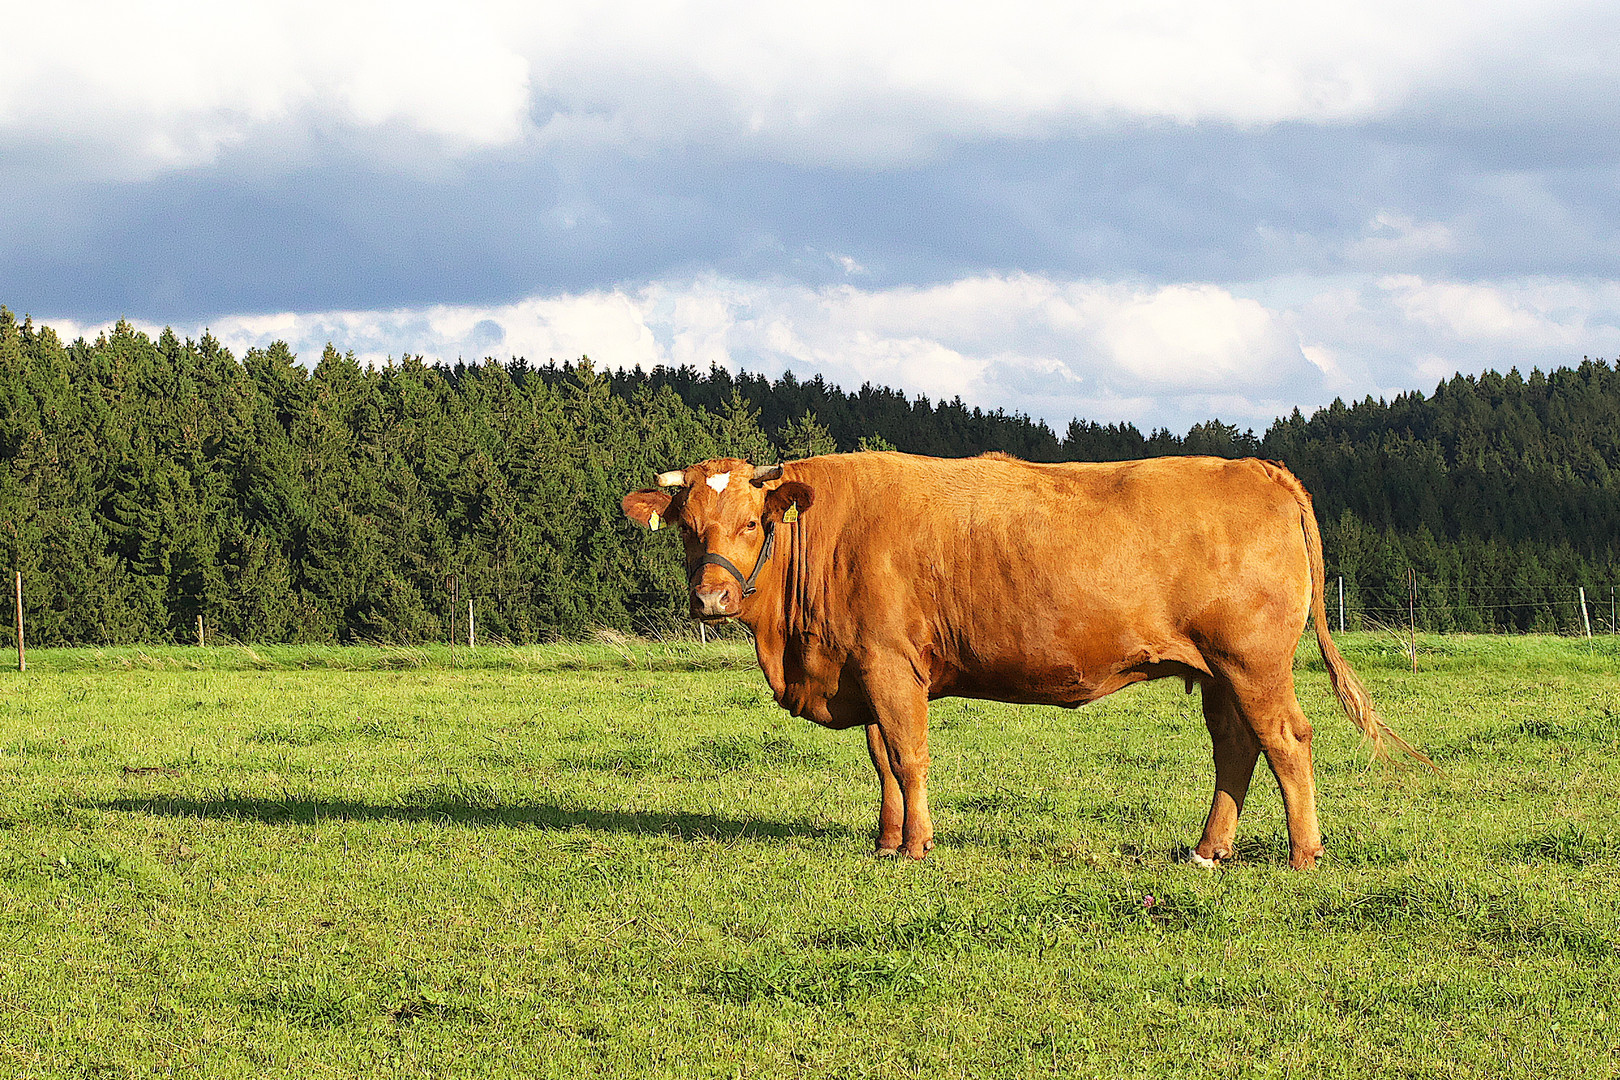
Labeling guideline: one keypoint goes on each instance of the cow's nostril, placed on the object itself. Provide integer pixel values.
(715, 602)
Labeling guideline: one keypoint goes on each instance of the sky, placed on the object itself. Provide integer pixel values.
(1128, 210)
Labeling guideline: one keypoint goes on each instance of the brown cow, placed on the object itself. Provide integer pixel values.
(875, 582)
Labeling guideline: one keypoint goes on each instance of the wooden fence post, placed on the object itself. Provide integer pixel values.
(472, 632)
(22, 656)
(1341, 603)
(1586, 620)
(1411, 612)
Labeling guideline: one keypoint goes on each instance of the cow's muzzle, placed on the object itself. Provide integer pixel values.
(722, 601)
(712, 603)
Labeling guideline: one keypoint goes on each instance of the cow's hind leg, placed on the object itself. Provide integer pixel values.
(892, 814)
(1236, 751)
(1273, 713)
(900, 708)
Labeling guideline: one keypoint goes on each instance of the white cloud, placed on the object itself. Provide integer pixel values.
(1154, 355)
(1474, 312)
(170, 84)
(1199, 336)
(853, 80)
(162, 85)
(1392, 239)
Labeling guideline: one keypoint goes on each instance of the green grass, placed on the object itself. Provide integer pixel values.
(622, 859)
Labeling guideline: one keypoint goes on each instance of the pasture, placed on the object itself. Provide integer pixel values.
(621, 859)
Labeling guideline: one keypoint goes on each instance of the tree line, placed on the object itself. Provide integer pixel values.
(146, 483)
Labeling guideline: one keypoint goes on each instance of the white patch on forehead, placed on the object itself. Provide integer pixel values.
(719, 482)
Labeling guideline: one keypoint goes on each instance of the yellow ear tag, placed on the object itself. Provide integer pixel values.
(792, 514)
(652, 521)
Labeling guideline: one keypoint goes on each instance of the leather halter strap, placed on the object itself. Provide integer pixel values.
(711, 559)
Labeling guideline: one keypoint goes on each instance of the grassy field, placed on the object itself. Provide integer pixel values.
(623, 859)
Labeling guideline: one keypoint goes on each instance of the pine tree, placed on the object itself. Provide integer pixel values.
(804, 437)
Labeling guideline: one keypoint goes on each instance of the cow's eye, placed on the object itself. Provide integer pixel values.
(752, 525)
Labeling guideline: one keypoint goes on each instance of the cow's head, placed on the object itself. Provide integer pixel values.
(728, 513)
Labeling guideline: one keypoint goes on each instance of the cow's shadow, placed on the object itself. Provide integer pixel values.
(542, 815)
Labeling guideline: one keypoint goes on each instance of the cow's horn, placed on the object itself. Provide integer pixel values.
(674, 478)
(763, 473)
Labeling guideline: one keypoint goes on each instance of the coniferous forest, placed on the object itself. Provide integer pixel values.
(146, 483)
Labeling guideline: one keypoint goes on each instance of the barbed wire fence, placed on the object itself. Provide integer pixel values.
(1439, 607)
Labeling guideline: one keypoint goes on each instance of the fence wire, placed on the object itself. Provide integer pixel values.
(1484, 608)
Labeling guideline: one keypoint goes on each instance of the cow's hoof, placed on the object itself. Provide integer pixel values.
(1198, 860)
(888, 852)
(918, 851)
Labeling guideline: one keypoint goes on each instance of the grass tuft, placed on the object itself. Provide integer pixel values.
(810, 981)
(1570, 844)
(1038, 922)
(319, 1004)
(1448, 907)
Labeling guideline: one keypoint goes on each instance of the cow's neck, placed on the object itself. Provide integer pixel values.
(776, 611)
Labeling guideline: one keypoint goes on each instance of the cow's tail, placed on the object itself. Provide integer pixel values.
(1347, 685)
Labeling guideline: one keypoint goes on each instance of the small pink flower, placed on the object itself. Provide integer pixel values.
(1148, 901)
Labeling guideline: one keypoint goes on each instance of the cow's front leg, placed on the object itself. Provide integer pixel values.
(892, 814)
(900, 709)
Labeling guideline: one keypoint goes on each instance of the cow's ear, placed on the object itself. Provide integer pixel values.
(647, 507)
(787, 501)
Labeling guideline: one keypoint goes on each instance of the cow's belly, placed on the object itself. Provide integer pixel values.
(1068, 688)
(1072, 674)
(1061, 687)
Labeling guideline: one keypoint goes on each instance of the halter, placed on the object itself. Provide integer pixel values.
(711, 559)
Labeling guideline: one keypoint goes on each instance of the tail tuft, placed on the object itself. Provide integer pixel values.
(1353, 697)
(1347, 687)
